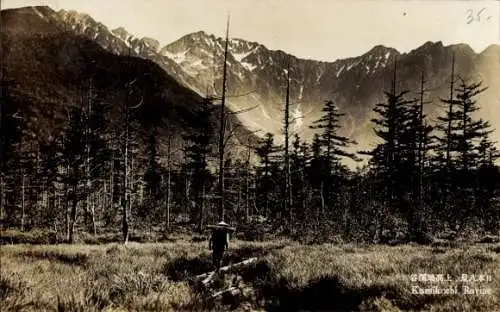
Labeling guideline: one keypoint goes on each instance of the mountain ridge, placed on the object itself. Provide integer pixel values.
(256, 75)
(50, 64)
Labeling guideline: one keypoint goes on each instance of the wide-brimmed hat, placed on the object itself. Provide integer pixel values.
(221, 226)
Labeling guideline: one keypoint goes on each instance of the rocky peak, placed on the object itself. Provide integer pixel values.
(380, 50)
(121, 33)
(151, 43)
(72, 16)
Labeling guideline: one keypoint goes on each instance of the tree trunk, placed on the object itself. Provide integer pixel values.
(168, 198)
(110, 212)
(186, 192)
(104, 202)
(202, 208)
(305, 190)
(247, 195)
(288, 181)
(169, 177)
(132, 188)
(94, 226)
(240, 196)
(66, 204)
(23, 187)
(266, 203)
(2, 195)
(247, 183)
(322, 198)
(125, 225)
(57, 204)
(72, 219)
(345, 220)
(222, 132)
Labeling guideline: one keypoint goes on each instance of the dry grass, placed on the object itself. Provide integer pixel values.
(152, 277)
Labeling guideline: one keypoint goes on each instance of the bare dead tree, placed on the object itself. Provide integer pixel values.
(288, 198)
(169, 179)
(222, 121)
(88, 163)
(23, 199)
(422, 148)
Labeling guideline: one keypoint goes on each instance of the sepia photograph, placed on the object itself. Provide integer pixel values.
(250, 155)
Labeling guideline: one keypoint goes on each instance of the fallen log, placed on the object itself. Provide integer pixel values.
(233, 291)
(230, 289)
(207, 276)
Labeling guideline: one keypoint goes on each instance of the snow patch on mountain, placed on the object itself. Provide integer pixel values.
(240, 56)
(179, 58)
(340, 71)
(319, 75)
(248, 66)
(297, 118)
(264, 112)
(40, 14)
(352, 65)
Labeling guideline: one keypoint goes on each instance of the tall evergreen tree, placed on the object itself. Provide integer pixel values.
(267, 184)
(318, 172)
(468, 134)
(446, 125)
(198, 153)
(394, 159)
(418, 142)
(299, 159)
(333, 143)
(487, 186)
(333, 147)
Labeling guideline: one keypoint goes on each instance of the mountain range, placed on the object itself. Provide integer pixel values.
(256, 74)
(48, 66)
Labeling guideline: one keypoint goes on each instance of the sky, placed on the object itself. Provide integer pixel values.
(315, 29)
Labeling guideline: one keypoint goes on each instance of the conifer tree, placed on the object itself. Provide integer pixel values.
(266, 152)
(394, 159)
(198, 152)
(446, 125)
(299, 159)
(468, 135)
(333, 149)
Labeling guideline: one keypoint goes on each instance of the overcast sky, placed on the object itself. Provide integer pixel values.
(317, 29)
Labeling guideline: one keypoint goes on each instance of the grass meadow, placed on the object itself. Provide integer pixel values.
(287, 277)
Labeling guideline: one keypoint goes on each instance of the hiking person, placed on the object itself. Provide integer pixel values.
(219, 242)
